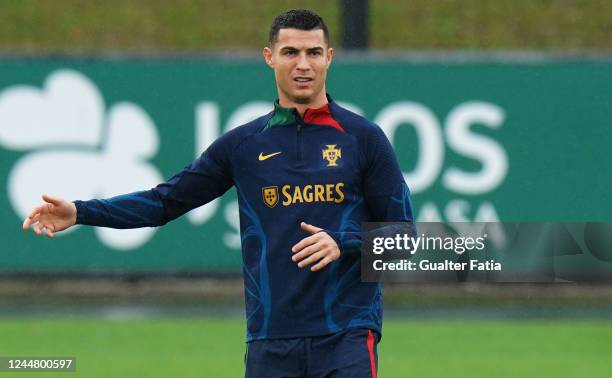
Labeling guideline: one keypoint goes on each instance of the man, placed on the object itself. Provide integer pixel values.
(307, 174)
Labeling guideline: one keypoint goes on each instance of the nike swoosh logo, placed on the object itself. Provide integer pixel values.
(263, 157)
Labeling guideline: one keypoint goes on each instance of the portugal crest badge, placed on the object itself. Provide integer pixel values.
(332, 154)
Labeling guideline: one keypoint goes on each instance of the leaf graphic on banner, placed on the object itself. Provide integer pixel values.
(75, 150)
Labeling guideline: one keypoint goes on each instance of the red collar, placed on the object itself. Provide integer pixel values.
(321, 116)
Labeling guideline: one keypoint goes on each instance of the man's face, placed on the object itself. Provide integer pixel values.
(300, 59)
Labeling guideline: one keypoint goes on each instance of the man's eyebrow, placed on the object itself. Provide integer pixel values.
(312, 49)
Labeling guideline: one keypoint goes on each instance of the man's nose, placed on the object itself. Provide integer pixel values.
(302, 63)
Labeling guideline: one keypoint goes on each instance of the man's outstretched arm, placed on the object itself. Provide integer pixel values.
(203, 180)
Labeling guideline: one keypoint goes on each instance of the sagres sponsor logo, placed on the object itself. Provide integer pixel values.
(270, 195)
(292, 194)
(332, 154)
(312, 193)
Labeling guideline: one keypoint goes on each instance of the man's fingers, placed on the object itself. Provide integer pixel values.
(26, 223)
(37, 228)
(30, 219)
(321, 264)
(305, 243)
(311, 259)
(46, 229)
(49, 232)
(54, 200)
(309, 240)
(309, 228)
(34, 219)
(306, 252)
(318, 247)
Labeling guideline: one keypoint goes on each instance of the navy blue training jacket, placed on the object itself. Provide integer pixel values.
(332, 169)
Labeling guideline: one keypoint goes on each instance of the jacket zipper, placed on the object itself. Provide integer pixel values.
(299, 142)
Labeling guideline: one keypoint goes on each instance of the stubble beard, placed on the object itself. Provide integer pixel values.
(302, 100)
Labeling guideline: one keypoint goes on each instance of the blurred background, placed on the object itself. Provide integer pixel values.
(497, 110)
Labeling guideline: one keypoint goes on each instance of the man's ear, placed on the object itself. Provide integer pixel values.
(267, 54)
(330, 56)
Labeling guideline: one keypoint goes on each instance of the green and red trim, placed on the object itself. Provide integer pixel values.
(319, 116)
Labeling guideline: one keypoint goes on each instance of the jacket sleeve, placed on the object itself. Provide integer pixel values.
(386, 194)
(201, 181)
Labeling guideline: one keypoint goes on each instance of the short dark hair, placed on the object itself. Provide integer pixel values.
(301, 19)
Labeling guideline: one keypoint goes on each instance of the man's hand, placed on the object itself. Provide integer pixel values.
(55, 215)
(319, 246)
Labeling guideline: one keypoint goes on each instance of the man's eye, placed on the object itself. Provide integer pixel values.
(315, 53)
(289, 53)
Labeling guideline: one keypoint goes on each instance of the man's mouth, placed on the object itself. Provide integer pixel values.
(302, 79)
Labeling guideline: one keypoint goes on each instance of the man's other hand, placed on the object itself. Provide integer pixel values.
(55, 215)
(319, 246)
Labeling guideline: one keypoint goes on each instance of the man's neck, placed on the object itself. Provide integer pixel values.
(318, 102)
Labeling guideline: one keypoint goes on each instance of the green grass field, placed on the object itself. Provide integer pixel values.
(214, 347)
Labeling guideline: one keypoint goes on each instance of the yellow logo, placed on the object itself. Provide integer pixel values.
(312, 193)
(270, 195)
(332, 154)
(263, 157)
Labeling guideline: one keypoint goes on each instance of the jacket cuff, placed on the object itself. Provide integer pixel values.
(79, 214)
